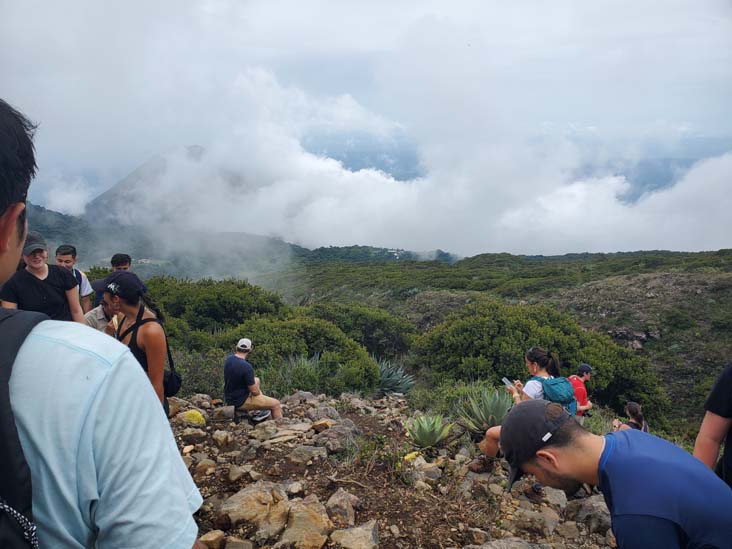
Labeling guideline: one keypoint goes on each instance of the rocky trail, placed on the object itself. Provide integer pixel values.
(342, 473)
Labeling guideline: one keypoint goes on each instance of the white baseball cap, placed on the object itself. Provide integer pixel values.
(244, 344)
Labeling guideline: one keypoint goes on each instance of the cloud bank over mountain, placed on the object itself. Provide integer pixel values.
(480, 117)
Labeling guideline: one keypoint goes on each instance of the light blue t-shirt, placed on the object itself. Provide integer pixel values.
(105, 467)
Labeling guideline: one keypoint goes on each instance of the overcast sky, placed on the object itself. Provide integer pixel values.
(501, 106)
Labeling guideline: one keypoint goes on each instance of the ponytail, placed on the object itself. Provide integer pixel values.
(154, 307)
(546, 361)
(553, 366)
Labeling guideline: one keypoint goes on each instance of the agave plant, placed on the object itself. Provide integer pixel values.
(427, 431)
(393, 378)
(482, 409)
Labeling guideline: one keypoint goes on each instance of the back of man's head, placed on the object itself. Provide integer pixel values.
(17, 157)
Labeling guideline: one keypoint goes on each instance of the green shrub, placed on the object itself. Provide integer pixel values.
(427, 431)
(488, 341)
(678, 319)
(444, 398)
(346, 365)
(380, 332)
(482, 409)
(296, 373)
(393, 378)
(201, 372)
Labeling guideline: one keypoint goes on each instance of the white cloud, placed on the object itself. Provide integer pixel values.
(68, 196)
(504, 102)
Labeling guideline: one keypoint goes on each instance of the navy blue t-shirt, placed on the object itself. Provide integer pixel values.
(238, 376)
(662, 497)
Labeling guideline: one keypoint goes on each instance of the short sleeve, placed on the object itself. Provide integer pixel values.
(85, 288)
(248, 375)
(9, 291)
(534, 389)
(131, 475)
(720, 399)
(68, 280)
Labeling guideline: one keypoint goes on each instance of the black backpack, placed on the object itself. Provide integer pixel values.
(16, 497)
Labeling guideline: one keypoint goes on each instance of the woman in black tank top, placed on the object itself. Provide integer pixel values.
(140, 328)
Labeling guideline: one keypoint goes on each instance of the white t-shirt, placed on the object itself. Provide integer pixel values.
(106, 471)
(85, 287)
(534, 388)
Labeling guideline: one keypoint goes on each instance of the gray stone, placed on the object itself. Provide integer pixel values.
(204, 467)
(265, 431)
(294, 488)
(555, 497)
(236, 473)
(299, 397)
(341, 508)
(308, 525)
(322, 412)
(590, 511)
(534, 522)
(567, 530)
(303, 454)
(223, 439)
(263, 504)
(225, 413)
(336, 439)
(431, 471)
(365, 536)
(192, 435)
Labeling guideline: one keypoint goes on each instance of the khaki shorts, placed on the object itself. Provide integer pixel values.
(259, 402)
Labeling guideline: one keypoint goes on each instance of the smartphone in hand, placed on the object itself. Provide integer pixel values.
(507, 382)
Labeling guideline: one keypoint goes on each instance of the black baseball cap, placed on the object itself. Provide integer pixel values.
(34, 241)
(584, 368)
(526, 429)
(124, 283)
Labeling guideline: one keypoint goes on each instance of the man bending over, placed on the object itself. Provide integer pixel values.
(241, 387)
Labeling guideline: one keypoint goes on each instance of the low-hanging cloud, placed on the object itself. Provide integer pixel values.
(505, 105)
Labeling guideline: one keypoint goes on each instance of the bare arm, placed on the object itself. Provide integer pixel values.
(153, 343)
(86, 304)
(72, 296)
(254, 390)
(711, 434)
(9, 305)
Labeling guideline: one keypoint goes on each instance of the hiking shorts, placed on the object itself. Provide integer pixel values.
(259, 402)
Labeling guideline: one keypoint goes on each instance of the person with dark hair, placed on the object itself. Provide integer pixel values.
(66, 257)
(121, 262)
(636, 420)
(716, 428)
(99, 317)
(72, 399)
(658, 495)
(141, 325)
(584, 373)
(40, 287)
(540, 364)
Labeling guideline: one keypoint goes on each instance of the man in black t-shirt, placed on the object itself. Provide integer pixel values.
(41, 287)
(717, 428)
(241, 387)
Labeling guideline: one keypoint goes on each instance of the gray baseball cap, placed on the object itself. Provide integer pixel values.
(526, 429)
(34, 241)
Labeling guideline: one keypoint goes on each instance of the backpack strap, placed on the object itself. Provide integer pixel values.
(16, 493)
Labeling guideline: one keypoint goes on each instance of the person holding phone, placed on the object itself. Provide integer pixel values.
(539, 363)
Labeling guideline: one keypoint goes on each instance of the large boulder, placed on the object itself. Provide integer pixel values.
(308, 525)
(365, 536)
(263, 504)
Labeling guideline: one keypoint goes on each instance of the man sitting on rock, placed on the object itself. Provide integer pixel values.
(241, 388)
(659, 496)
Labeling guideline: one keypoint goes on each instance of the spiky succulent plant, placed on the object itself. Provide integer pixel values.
(428, 431)
(393, 378)
(482, 409)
